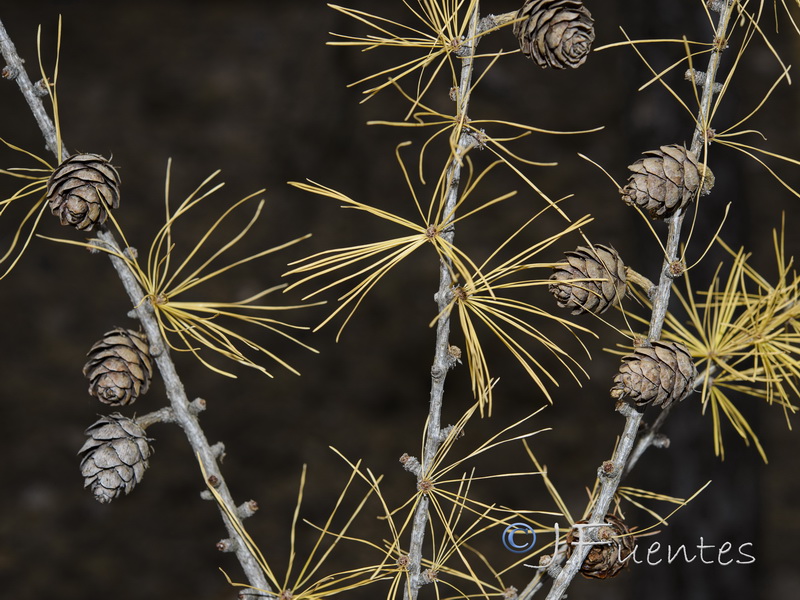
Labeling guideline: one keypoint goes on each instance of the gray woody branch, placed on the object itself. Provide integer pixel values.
(443, 359)
(182, 411)
(611, 471)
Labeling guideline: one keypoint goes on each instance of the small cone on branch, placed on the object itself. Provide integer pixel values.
(115, 457)
(607, 558)
(659, 374)
(119, 367)
(665, 180)
(555, 33)
(82, 189)
(590, 279)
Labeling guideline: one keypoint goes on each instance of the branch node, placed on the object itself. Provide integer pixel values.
(453, 356)
(510, 593)
(607, 470)
(676, 269)
(492, 22)
(460, 48)
(218, 450)
(442, 297)
(197, 406)
(660, 441)
(10, 72)
(40, 88)
(429, 576)
(246, 509)
(411, 464)
(477, 139)
(445, 432)
(206, 495)
(227, 545)
(699, 79)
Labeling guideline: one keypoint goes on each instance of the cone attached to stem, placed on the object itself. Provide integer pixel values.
(555, 33)
(590, 279)
(607, 558)
(666, 180)
(115, 457)
(119, 368)
(82, 189)
(659, 374)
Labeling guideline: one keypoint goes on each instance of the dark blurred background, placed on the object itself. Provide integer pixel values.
(252, 89)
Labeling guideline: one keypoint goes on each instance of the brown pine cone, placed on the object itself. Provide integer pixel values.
(115, 457)
(555, 33)
(605, 559)
(119, 367)
(589, 280)
(659, 374)
(666, 180)
(82, 189)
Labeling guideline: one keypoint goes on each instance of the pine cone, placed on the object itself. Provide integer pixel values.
(606, 559)
(82, 189)
(115, 456)
(119, 367)
(659, 374)
(666, 180)
(590, 279)
(555, 33)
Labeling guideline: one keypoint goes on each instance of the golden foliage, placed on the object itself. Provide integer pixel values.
(438, 36)
(489, 297)
(191, 326)
(744, 334)
(384, 255)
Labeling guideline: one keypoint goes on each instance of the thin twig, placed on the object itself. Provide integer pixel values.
(182, 410)
(443, 359)
(610, 473)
